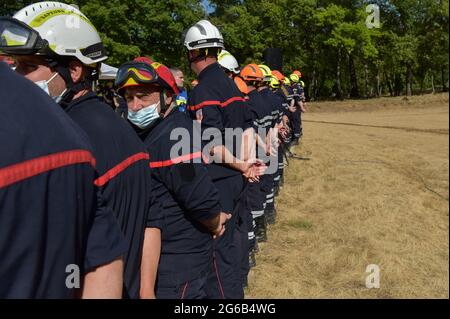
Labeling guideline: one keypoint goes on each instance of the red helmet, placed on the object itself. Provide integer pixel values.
(166, 78)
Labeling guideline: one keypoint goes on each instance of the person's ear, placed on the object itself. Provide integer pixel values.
(76, 71)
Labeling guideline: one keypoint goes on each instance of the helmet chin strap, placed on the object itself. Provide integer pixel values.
(203, 54)
(162, 102)
(62, 67)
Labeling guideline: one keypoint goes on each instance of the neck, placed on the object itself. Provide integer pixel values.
(203, 64)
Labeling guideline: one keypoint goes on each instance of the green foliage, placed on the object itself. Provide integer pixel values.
(327, 40)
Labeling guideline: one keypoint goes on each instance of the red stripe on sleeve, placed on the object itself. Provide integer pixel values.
(119, 168)
(218, 103)
(21, 171)
(177, 160)
(205, 103)
(233, 99)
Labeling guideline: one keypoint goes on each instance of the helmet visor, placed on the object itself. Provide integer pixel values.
(137, 72)
(17, 38)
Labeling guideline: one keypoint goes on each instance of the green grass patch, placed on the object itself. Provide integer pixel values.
(299, 224)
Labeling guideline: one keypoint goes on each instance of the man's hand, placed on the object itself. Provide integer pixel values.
(223, 218)
(253, 170)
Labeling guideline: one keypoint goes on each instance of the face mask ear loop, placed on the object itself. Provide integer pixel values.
(51, 79)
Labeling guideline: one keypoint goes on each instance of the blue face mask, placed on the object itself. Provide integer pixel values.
(145, 116)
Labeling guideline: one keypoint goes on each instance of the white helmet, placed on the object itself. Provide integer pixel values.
(203, 35)
(49, 28)
(228, 61)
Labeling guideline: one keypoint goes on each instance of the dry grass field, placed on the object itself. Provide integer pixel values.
(375, 191)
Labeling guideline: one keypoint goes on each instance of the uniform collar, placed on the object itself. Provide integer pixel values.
(253, 93)
(210, 69)
(81, 99)
(143, 133)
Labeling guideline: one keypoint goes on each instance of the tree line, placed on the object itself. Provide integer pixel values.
(339, 55)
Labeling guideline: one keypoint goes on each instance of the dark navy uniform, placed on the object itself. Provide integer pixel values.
(276, 103)
(122, 164)
(50, 214)
(300, 92)
(184, 196)
(296, 116)
(218, 103)
(262, 121)
(262, 117)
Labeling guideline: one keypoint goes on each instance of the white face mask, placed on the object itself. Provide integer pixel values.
(44, 86)
(145, 116)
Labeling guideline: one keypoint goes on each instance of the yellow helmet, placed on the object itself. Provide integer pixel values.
(274, 83)
(266, 72)
(294, 78)
(286, 81)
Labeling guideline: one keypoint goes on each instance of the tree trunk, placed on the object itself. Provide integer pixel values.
(354, 90)
(338, 76)
(409, 77)
(378, 82)
(444, 88)
(432, 83)
(366, 81)
(314, 85)
(388, 80)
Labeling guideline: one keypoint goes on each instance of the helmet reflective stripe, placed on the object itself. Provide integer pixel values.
(203, 35)
(44, 17)
(228, 61)
(266, 72)
(294, 78)
(274, 83)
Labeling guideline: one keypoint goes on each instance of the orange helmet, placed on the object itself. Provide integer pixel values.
(278, 75)
(297, 72)
(252, 72)
(242, 86)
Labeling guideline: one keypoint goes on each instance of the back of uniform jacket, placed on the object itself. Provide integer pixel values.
(216, 100)
(50, 225)
(184, 195)
(122, 164)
